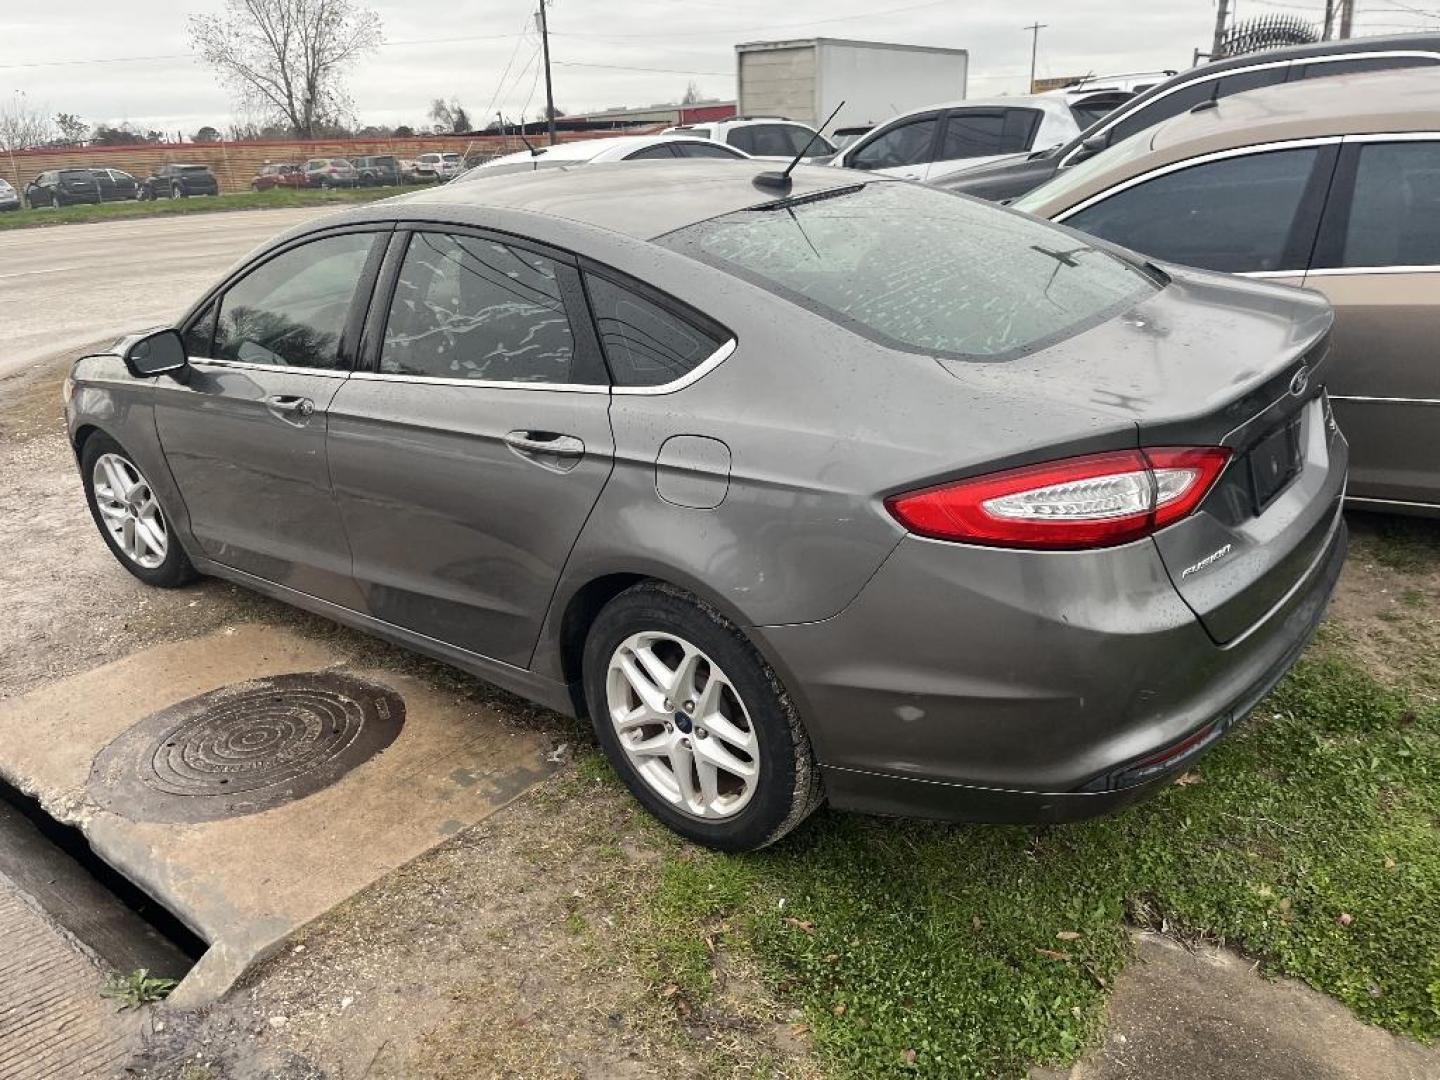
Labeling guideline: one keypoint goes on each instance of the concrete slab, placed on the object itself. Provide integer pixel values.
(244, 884)
(1178, 1014)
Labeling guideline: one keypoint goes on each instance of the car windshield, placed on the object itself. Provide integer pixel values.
(921, 270)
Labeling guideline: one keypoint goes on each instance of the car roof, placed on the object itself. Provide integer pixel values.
(580, 150)
(639, 199)
(1050, 101)
(1403, 100)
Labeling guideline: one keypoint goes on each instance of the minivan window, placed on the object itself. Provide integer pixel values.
(1235, 214)
(468, 308)
(291, 310)
(918, 269)
(646, 344)
(1395, 209)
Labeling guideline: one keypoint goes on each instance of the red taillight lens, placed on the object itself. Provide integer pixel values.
(1084, 502)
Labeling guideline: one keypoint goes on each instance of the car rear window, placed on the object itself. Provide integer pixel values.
(922, 270)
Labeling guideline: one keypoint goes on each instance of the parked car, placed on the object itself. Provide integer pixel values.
(381, 170)
(62, 187)
(178, 182)
(273, 176)
(600, 151)
(942, 139)
(1024, 559)
(115, 184)
(776, 138)
(1334, 185)
(330, 172)
(1011, 177)
(439, 166)
(9, 197)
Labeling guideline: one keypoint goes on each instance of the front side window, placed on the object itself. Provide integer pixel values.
(469, 308)
(906, 144)
(705, 150)
(920, 270)
(646, 344)
(1236, 214)
(291, 311)
(1395, 210)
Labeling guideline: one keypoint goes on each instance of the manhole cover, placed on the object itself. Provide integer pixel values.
(245, 748)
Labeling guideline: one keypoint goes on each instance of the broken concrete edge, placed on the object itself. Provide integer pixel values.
(228, 966)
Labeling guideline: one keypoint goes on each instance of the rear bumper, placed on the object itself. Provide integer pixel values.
(969, 684)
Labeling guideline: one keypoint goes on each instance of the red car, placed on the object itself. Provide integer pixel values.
(273, 176)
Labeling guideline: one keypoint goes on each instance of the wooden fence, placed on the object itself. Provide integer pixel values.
(236, 163)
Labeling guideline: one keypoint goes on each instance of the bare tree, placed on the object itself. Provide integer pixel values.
(72, 129)
(692, 93)
(22, 127)
(450, 118)
(287, 58)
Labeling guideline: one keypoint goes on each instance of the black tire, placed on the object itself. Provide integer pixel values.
(788, 789)
(176, 569)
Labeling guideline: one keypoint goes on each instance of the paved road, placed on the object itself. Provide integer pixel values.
(69, 285)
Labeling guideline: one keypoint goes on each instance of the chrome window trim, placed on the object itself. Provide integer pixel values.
(1393, 136)
(1361, 399)
(1362, 501)
(1332, 58)
(699, 371)
(245, 365)
(488, 384)
(1351, 271)
(1203, 159)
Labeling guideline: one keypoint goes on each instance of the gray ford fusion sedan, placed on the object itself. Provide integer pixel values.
(853, 491)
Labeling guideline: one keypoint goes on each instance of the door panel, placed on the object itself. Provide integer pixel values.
(1385, 380)
(456, 534)
(253, 474)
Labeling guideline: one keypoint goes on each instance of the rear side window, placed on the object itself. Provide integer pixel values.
(1395, 210)
(1236, 215)
(647, 344)
(920, 270)
(976, 133)
(471, 308)
(291, 311)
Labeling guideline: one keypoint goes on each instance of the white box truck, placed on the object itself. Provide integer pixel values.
(805, 80)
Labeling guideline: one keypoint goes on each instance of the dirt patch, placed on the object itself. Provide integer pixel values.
(1386, 611)
(514, 951)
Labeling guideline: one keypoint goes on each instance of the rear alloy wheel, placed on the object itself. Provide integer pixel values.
(695, 722)
(128, 512)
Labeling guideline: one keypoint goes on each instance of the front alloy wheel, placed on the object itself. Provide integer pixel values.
(129, 511)
(682, 725)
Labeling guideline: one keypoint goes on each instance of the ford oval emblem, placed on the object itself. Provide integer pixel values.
(1301, 381)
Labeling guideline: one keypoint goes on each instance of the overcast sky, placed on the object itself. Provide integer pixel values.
(112, 61)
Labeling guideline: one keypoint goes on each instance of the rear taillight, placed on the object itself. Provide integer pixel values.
(1084, 502)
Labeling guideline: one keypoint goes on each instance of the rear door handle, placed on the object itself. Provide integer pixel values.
(548, 448)
(290, 407)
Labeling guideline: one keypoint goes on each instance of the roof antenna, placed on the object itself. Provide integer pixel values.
(521, 132)
(781, 180)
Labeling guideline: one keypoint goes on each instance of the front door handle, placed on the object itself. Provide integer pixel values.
(547, 448)
(291, 408)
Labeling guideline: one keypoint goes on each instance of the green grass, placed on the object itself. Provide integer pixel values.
(197, 204)
(1310, 839)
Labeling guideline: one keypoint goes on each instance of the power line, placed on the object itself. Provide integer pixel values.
(626, 67)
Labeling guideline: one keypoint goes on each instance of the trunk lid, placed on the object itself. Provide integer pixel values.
(1212, 361)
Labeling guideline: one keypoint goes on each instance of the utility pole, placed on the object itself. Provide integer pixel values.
(549, 93)
(1347, 16)
(1329, 21)
(1222, 9)
(1034, 29)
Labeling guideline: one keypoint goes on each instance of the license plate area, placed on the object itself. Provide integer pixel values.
(1274, 462)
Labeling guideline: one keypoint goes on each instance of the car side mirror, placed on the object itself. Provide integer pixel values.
(1092, 146)
(159, 353)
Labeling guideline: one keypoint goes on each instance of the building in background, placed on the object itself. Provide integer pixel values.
(805, 80)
